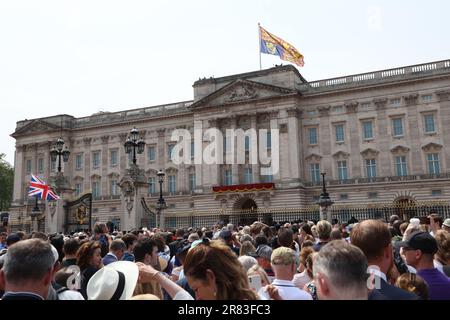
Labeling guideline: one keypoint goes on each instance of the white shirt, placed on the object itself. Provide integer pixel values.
(438, 266)
(70, 295)
(300, 279)
(376, 271)
(287, 291)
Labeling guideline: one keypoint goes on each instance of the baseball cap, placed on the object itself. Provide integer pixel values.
(420, 240)
(263, 251)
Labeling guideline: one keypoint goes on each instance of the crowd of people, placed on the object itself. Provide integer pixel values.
(300, 260)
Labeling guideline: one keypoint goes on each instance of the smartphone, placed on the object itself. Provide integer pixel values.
(255, 282)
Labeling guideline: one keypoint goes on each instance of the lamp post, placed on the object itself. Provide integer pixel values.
(324, 201)
(59, 151)
(161, 205)
(134, 144)
(34, 213)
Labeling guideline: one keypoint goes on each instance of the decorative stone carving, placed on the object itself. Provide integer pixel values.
(351, 107)
(20, 148)
(243, 92)
(324, 111)
(105, 139)
(51, 205)
(123, 137)
(443, 95)
(283, 128)
(292, 112)
(161, 132)
(432, 146)
(341, 155)
(87, 141)
(313, 157)
(369, 152)
(380, 103)
(400, 149)
(411, 99)
(128, 191)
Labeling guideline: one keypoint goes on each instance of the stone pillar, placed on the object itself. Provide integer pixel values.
(294, 143)
(383, 140)
(87, 164)
(214, 178)
(443, 127)
(354, 139)
(197, 133)
(273, 116)
(255, 167)
(104, 169)
(326, 138)
(415, 163)
(234, 165)
(18, 195)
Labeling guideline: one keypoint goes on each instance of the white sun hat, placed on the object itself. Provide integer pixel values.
(116, 281)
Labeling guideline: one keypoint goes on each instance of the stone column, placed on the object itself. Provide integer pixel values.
(87, 164)
(354, 139)
(234, 165)
(104, 169)
(255, 167)
(161, 148)
(415, 163)
(326, 138)
(273, 116)
(18, 195)
(443, 126)
(294, 139)
(383, 139)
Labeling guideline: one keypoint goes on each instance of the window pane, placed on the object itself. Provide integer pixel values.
(114, 158)
(367, 128)
(151, 154)
(248, 176)
(151, 185)
(315, 172)
(401, 166)
(312, 135)
(429, 123)
(342, 170)
(41, 165)
(228, 177)
(191, 182)
(371, 168)
(269, 140)
(433, 163)
(172, 184)
(340, 133)
(169, 151)
(247, 143)
(398, 127)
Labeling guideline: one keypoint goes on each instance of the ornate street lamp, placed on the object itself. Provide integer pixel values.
(59, 151)
(324, 201)
(134, 143)
(161, 205)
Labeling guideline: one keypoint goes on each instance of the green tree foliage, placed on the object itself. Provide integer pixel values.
(6, 183)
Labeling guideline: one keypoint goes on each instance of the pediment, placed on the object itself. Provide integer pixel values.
(78, 178)
(171, 170)
(242, 91)
(35, 127)
(369, 151)
(313, 156)
(399, 148)
(151, 171)
(113, 175)
(341, 154)
(432, 146)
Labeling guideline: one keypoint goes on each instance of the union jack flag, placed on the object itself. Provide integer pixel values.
(39, 188)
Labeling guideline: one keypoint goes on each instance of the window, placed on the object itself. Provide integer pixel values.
(78, 161)
(248, 178)
(315, 172)
(152, 185)
(372, 195)
(269, 141)
(400, 164)
(169, 151)
(96, 159)
(228, 177)
(311, 113)
(113, 158)
(397, 127)
(192, 182)
(96, 189)
(433, 163)
(342, 170)
(338, 109)
(266, 178)
(172, 186)
(395, 101)
(192, 150)
(436, 193)
(365, 106)
(429, 123)
(367, 130)
(312, 135)
(371, 168)
(151, 153)
(339, 129)
(53, 166)
(28, 165)
(343, 196)
(41, 165)
(114, 190)
(427, 98)
(247, 143)
(78, 189)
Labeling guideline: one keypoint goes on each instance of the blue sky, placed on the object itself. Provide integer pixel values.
(81, 57)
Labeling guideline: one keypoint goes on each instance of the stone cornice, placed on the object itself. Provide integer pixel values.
(380, 103)
(324, 111)
(161, 132)
(443, 94)
(293, 112)
(105, 139)
(351, 107)
(273, 114)
(87, 141)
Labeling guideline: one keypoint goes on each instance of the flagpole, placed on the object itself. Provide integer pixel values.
(259, 32)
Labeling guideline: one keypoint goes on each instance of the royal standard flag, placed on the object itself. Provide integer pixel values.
(271, 44)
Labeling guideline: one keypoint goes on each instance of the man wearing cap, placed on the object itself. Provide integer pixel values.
(419, 251)
(446, 225)
(263, 255)
(284, 263)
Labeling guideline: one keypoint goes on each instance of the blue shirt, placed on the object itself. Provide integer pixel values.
(128, 257)
(438, 284)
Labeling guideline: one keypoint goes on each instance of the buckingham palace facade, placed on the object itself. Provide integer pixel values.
(380, 136)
